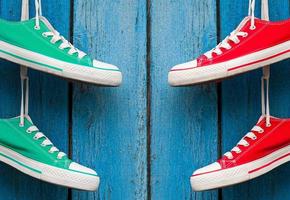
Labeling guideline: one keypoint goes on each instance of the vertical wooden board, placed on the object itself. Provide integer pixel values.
(9, 72)
(241, 105)
(184, 133)
(9, 106)
(48, 105)
(109, 124)
(278, 181)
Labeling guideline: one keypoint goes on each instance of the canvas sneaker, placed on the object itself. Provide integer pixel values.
(36, 44)
(28, 150)
(254, 44)
(266, 147)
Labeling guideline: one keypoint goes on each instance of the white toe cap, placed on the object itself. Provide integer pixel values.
(209, 168)
(77, 167)
(186, 65)
(105, 66)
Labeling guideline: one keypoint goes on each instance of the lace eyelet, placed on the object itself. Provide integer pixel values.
(35, 138)
(252, 27)
(28, 131)
(245, 35)
(42, 145)
(36, 27)
(238, 152)
(261, 131)
(268, 125)
(21, 125)
(51, 152)
(254, 138)
(44, 35)
(237, 42)
(246, 145)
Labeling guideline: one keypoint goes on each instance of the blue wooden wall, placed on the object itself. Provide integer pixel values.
(144, 138)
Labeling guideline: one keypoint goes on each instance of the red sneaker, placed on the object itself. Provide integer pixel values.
(254, 44)
(260, 151)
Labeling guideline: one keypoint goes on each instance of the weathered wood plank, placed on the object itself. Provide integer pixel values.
(109, 124)
(241, 105)
(48, 105)
(184, 131)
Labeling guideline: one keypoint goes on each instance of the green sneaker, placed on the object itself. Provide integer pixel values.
(36, 44)
(25, 148)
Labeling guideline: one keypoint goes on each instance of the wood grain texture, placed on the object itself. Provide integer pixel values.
(241, 105)
(48, 105)
(184, 133)
(109, 124)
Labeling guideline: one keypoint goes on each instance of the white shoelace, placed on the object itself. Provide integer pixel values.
(251, 13)
(54, 34)
(65, 44)
(46, 142)
(234, 36)
(25, 91)
(265, 113)
(243, 142)
(24, 113)
(264, 98)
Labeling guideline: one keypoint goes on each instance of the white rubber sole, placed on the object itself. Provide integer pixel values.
(194, 75)
(47, 173)
(242, 173)
(56, 67)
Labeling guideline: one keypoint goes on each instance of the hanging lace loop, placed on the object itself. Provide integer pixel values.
(251, 13)
(25, 10)
(266, 72)
(38, 13)
(24, 114)
(265, 10)
(23, 72)
(265, 97)
(25, 87)
(24, 94)
(265, 101)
